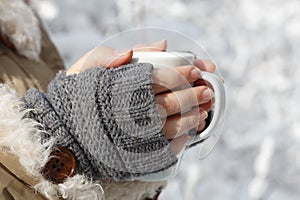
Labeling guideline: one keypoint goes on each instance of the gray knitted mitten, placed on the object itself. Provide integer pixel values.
(107, 118)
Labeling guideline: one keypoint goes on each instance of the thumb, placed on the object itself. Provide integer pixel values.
(101, 56)
(156, 46)
(119, 57)
(107, 57)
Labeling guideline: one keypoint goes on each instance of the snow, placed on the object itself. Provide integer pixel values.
(256, 45)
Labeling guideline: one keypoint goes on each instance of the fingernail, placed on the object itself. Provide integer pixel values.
(207, 95)
(122, 52)
(159, 46)
(203, 115)
(195, 73)
(159, 43)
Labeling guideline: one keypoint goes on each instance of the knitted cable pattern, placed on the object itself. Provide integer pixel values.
(108, 118)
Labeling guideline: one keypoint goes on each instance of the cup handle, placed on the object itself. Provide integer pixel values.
(219, 109)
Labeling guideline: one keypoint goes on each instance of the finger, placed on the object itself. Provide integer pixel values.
(196, 131)
(78, 66)
(182, 100)
(205, 65)
(165, 79)
(156, 46)
(101, 56)
(208, 106)
(177, 125)
(177, 144)
(108, 57)
(120, 57)
(201, 127)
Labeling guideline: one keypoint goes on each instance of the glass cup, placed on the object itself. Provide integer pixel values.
(181, 50)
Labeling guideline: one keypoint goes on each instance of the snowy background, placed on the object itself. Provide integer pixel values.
(256, 46)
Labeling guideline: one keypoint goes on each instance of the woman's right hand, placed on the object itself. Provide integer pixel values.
(181, 109)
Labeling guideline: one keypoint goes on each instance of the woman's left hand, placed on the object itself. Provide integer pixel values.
(110, 58)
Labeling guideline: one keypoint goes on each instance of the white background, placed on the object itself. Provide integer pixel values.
(256, 46)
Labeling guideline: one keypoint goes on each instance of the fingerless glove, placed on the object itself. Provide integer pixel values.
(107, 118)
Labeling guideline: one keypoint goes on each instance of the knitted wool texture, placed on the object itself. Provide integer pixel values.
(107, 118)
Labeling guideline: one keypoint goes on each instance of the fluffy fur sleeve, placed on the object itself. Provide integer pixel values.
(19, 136)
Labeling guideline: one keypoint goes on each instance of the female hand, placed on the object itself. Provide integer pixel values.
(110, 58)
(181, 106)
(180, 109)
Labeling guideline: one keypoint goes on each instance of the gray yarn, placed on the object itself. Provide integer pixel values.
(108, 118)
